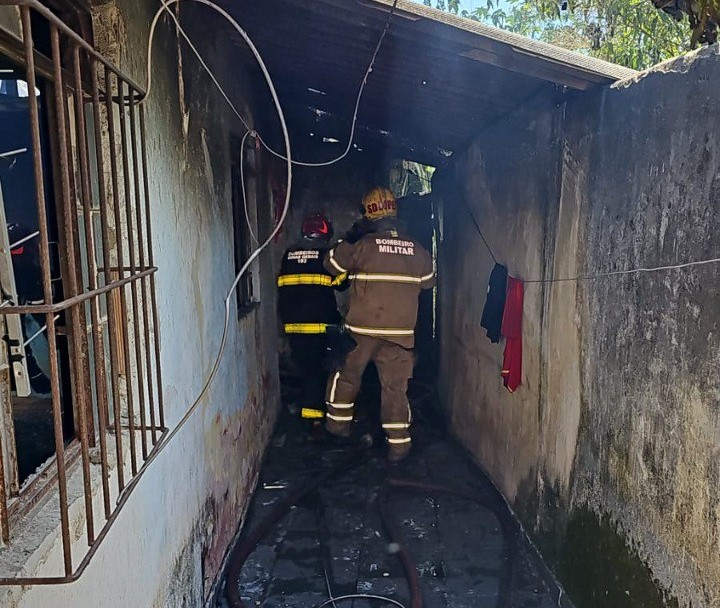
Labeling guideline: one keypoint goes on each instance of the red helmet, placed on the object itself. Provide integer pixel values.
(317, 227)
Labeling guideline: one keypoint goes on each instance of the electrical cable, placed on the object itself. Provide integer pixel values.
(165, 8)
(361, 596)
(151, 38)
(250, 131)
(229, 297)
(357, 103)
(242, 188)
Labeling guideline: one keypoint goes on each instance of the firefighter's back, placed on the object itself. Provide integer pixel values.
(306, 294)
(387, 274)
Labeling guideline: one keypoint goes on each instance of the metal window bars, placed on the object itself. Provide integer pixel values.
(100, 172)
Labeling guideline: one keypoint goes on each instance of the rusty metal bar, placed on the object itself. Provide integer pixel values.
(74, 300)
(112, 313)
(4, 517)
(39, 8)
(143, 287)
(85, 194)
(97, 339)
(70, 216)
(120, 257)
(160, 429)
(74, 171)
(39, 487)
(118, 269)
(74, 576)
(47, 288)
(153, 297)
(147, 305)
(78, 341)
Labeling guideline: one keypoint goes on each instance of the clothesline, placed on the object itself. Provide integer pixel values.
(600, 275)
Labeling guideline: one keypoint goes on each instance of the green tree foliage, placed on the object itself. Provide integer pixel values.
(452, 6)
(632, 33)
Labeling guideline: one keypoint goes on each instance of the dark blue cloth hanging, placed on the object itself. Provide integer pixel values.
(492, 315)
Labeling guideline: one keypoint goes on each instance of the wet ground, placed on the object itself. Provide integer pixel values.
(468, 553)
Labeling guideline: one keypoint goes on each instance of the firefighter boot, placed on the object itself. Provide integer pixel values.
(337, 429)
(333, 440)
(396, 453)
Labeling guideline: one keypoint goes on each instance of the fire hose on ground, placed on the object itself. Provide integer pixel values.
(248, 544)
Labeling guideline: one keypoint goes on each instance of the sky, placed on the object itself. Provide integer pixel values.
(468, 5)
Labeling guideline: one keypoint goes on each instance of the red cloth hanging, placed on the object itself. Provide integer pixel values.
(512, 331)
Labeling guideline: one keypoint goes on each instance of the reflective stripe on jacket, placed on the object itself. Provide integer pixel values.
(387, 272)
(306, 295)
(305, 328)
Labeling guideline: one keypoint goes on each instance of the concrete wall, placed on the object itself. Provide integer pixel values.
(650, 438)
(501, 430)
(335, 191)
(168, 543)
(610, 449)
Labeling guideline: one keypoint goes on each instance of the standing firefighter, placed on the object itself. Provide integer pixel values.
(307, 307)
(387, 272)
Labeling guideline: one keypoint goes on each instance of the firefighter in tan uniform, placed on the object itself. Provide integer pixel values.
(387, 271)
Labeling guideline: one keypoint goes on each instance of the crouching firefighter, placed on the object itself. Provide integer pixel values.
(387, 271)
(307, 307)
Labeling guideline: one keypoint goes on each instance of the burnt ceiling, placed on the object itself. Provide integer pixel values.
(437, 82)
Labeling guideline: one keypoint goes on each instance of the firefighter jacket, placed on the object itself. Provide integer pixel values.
(306, 298)
(386, 273)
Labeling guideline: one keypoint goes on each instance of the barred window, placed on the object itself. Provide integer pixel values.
(80, 378)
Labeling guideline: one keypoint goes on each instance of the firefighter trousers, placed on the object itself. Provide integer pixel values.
(308, 353)
(395, 366)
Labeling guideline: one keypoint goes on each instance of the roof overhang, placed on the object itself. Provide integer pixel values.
(438, 80)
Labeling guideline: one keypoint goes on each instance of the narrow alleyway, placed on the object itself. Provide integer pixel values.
(153, 178)
(338, 540)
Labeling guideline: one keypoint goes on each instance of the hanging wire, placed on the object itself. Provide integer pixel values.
(592, 277)
(165, 8)
(602, 275)
(480, 232)
(357, 102)
(229, 296)
(242, 188)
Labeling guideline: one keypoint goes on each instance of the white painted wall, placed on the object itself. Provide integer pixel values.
(184, 513)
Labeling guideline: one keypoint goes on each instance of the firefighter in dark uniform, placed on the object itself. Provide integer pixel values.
(307, 307)
(386, 271)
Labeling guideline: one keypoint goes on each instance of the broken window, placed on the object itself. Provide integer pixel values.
(80, 379)
(410, 177)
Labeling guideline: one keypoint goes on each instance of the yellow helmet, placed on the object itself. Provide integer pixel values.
(378, 203)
